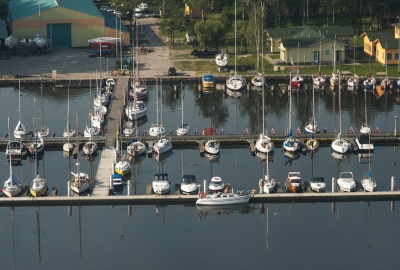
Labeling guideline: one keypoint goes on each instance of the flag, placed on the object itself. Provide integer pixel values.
(298, 131)
(377, 130)
(351, 130)
(291, 62)
(272, 131)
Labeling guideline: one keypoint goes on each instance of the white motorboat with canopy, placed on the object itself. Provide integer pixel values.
(160, 183)
(346, 182)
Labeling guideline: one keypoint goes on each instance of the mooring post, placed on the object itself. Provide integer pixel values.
(392, 183)
(129, 187)
(333, 184)
(392, 206)
(69, 188)
(205, 186)
(113, 168)
(129, 210)
(69, 210)
(111, 182)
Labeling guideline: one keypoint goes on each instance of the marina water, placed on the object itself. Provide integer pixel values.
(275, 236)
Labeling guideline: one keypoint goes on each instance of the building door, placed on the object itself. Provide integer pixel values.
(316, 56)
(59, 35)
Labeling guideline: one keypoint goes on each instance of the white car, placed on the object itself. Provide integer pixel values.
(104, 8)
(138, 14)
(143, 6)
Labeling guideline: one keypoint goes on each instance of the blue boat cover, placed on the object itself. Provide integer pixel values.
(134, 140)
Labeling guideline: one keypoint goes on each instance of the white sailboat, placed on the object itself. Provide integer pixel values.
(291, 144)
(12, 186)
(39, 185)
(184, 128)
(162, 145)
(80, 181)
(340, 145)
(364, 126)
(319, 81)
(37, 147)
(385, 83)
(368, 183)
(39, 40)
(222, 59)
(267, 185)
(68, 132)
(20, 130)
(312, 125)
(352, 82)
(235, 82)
(211, 146)
(157, 129)
(44, 130)
(334, 80)
(11, 42)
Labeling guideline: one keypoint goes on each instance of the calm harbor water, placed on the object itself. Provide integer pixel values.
(282, 236)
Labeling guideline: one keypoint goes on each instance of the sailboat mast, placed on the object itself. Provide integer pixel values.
(41, 101)
(313, 111)
(290, 105)
(235, 37)
(9, 136)
(334, 56)
(262, 66)
(340, 111)
(365, 107)
(19, 100)
(68, 112)
(182, 101)
(40, 18)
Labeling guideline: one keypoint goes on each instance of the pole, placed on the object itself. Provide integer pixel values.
(392, 183)
(120, 39)
(395, 125)
(116, 36)
(69, 188)
(333, 184)
(205, 186)
(129, 187)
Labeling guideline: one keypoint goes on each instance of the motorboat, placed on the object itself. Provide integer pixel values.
(258, 80)
(15, 149)
(346, 182)
(97, 120)
(212, 146)
(11, 42)
(117, 179)
(123, 166)
(364, 143)
(68, 148)
(216, 185)
(352, 81)
(162, 145)
(136, 110)
(294, 183)
(189, 184)
(369, 83)
(222, 59)
(223, 198)
(208, 80)
(264, 144)
(365, 129)
(38, 186)
(297, 82)
(101, 99)
(334, 80)
(235, 82)
(138, 89)
(136, 148)
(317, 184)
(368, 183)
(160, 183)
(39, 40)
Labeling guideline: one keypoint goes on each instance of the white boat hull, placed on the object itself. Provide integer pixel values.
(264, 144)
(223, 199)
(160, 187)
(162, 146)
(212, 147)
(341, 146)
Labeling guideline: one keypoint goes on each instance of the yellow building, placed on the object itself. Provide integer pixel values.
(312, 50)
(382, 45)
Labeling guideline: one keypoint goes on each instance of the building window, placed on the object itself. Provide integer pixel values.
(389, 56)
(396, 56)
(327, 52)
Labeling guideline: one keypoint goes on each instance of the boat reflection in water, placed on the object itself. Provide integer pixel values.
(265, 156)
(136, 160)
(163, 157)
(290, 156)
(364, 158)
(341, 156)
(234, 94)
(243, 208)
(212, 158)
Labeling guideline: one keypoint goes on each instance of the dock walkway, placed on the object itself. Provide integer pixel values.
(101, 184)
(116, 109)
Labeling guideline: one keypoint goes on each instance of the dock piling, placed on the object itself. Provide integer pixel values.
(333, 184)
(69, 210)
(129, 187)
(111, 182)
(392, 183)
(69, 188)
(129, 210)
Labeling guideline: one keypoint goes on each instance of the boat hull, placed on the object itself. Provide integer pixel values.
(210, 200)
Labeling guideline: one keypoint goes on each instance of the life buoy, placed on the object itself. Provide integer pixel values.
(261, 183)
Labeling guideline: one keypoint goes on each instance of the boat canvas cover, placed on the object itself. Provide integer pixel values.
(209, 131)
(117, 175)
(364, 139)
(208, 78)
(317, 179)
(189, 178)
(160, 176)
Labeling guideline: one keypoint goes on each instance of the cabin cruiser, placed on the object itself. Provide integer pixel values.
(160, 183)
(216, 185)
(317, 184)
(118, 180)
(294, 183)
(189, 184)
(212, 147)
(346, 182)
(364, 143)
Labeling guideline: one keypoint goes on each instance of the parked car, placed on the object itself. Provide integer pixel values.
(104, 8)
(172, 71)
(138, 14)
(156, 14)
(143, 6)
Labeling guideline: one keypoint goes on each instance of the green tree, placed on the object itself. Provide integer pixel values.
(211, 32)
(173, 18)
